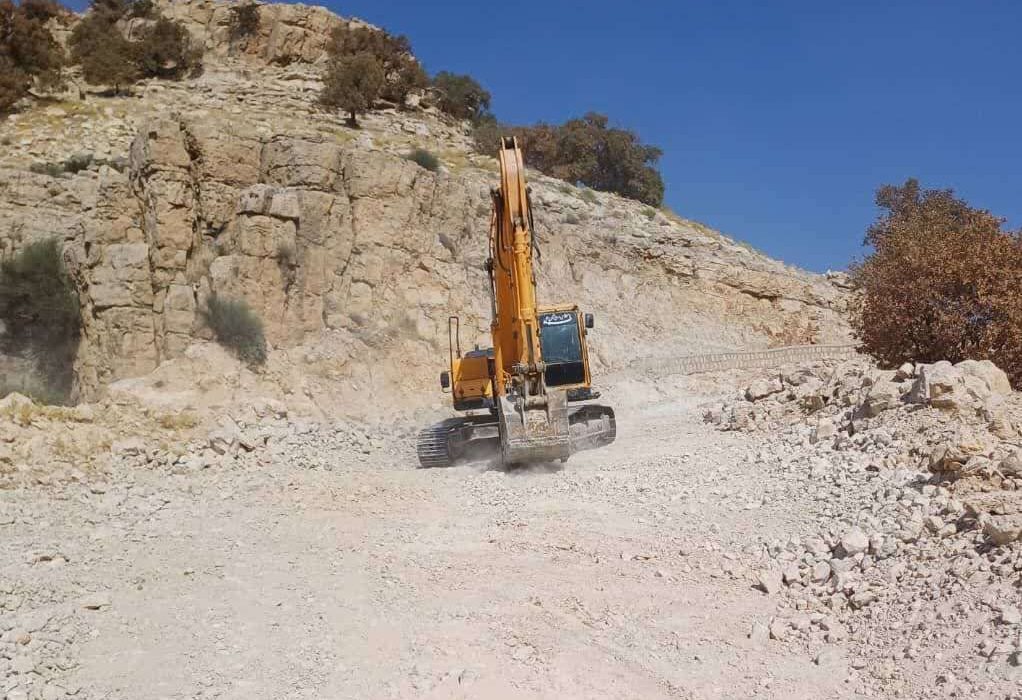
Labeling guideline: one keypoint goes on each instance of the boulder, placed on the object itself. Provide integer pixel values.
(966, 385)
(762, 388)
(882, 396)
(992, 376)
(953, 454)
(906, 371)
(1012, 464)
(854, 541)
(1002, 529)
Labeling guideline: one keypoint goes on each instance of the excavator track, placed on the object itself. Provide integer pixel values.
(463, 437)
(433, 445)
(592, 426)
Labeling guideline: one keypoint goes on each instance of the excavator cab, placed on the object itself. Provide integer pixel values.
(562, 337)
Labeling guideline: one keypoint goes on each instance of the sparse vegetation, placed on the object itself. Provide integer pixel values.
(461, 96)
(584, 151)
(572, 219)
(353, 84)
(941, 282)
(425, 159)
(40, 311)
(28, 52)
(178, 421)
(237, 327)
(76, 164)
(51, 169)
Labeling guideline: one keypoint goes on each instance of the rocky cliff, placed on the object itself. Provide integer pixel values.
(354, 256)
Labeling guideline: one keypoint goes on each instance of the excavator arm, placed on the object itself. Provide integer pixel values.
(533, 418)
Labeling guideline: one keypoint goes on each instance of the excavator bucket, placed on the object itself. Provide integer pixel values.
(534, 434)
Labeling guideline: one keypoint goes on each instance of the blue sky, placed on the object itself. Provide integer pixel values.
(778, 118)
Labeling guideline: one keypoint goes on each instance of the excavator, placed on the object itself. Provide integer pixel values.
(528, 398)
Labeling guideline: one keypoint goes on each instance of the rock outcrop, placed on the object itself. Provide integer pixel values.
(235, 183)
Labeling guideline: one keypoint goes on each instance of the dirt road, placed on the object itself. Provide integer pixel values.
(319, 575)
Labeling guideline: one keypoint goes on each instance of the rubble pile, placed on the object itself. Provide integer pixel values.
(907, 483)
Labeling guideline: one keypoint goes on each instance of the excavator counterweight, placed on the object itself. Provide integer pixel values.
(534, 382)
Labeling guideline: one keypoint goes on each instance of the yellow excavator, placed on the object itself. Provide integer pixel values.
(529, 398)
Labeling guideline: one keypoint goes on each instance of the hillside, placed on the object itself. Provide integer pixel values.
(236, 183)
(778, 517)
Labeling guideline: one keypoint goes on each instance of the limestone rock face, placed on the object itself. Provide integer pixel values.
(287, 33)
(234, 182)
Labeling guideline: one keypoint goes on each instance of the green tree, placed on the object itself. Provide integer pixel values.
(164, 50)
(352, 84)
(104, 54)
(461, 96)
(28, 52)
(402, 73)
(941, 282)
(585, 151)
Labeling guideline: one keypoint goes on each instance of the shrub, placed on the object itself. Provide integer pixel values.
(40, 310)
(244, 20)
(178, 421)
(164, 50)
(402, 73)
(461, 96)
(585, 151)
(352, 84)
(105, 56)
(237, 327)
(28, 52)
(78, 162)
(941, 282)
(51, 169)
(425, 159)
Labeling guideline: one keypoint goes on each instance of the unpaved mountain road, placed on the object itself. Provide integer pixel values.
(309, 574)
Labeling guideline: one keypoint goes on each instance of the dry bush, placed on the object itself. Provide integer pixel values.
(40, 310)
(942, 282)
(237, 327)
